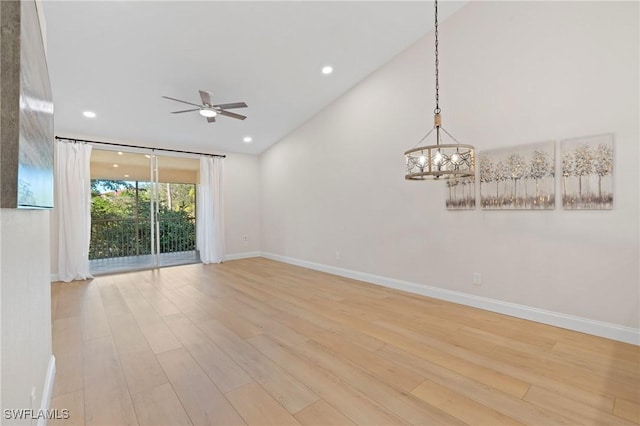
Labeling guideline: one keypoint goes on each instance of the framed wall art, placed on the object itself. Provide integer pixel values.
(516, 178)
(461, 193)
(587, 172)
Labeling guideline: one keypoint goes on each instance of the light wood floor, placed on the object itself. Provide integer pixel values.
(263, 343)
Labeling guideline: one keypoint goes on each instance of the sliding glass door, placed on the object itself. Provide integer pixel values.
(174, 207)
(143, 211)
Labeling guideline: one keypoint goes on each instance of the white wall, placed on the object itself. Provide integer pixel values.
(25, 304)
(511, 73)
(242, 204)
(26, 362)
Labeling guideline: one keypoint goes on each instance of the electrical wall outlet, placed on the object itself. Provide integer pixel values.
(337, 255)
(477, 278)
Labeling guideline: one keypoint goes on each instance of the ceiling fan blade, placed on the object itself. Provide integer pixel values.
(211, 119)
(184, 102)
(205, 96)
(186, 110)
(232, 115)
(231, 106)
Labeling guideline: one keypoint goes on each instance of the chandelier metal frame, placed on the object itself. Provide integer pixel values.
(440, 160)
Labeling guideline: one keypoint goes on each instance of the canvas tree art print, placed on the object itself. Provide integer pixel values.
(461, 193)
(521, 177)
(587, 173)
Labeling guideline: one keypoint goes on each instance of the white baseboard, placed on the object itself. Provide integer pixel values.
(237, 256)
(584, 325)
(48, 390)
(228, 257)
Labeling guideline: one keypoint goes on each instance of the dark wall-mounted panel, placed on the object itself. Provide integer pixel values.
(26, 107)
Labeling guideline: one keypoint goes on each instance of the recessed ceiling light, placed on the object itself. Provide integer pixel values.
(327, 70)
(115, 165)
(208, 112)
(119, 152)
(247, 139)
(89, 114)
(126, 175)
(147, 155)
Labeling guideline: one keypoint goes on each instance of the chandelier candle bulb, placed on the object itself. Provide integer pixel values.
(437, 159)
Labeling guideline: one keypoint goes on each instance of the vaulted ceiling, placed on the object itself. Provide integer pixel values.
(117, 58)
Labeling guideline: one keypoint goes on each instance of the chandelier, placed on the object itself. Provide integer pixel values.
(446, 160)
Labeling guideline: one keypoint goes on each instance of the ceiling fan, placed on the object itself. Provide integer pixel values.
(208, 110)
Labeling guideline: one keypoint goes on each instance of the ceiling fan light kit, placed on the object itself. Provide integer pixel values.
(454, 160)
(210, 111)
(206, 112)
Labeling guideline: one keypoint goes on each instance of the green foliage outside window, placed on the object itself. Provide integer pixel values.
(120, 213)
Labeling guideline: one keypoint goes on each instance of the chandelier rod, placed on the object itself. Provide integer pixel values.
(436, 119)
(437, 110)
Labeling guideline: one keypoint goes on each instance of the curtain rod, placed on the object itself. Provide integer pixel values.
(142, 147)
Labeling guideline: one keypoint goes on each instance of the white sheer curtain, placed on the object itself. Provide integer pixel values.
(73, 205)
(210, 210)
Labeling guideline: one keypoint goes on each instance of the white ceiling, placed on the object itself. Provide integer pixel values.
(117, 58)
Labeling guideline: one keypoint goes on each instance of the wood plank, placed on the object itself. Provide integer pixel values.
(602, 402)
(153, 328)
(257, 407)
(379, 367)
(202, 400)
(160, 406)
(69, 371)
(161, 304)
(55, 296)
(66, 333)
(320, 413)
(621, 350)
(107, 399)
(568, 369)
(582, 413)
(69, 304)
(95, 323)
(112, 300)
(349, 401)
(600, 358)
(155, 331)
(398, 402)
(142, 370)
(220, 368)
(459, 406)
(127, 334)
(73, 403)
(286, 389)
(106, 406)
(448, 356)
(225, 312)
(186, 305)
(303, 320)
(627, 410)
(159, 337)
(501, 402)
